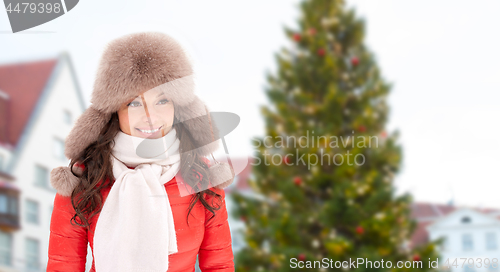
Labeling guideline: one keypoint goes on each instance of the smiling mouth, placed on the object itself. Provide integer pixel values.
(149, 131)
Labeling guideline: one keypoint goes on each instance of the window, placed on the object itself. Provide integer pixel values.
(4, 204)
(32, 211)
(5, 248)
(491, 241)
(67, 117)
(13, 205)
(2, 161)
(8, 204)
(58, 146)
(467, 244)
(41, 176)
(32, 253)
(466, 219)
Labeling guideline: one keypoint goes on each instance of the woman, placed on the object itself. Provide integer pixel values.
(139, 188)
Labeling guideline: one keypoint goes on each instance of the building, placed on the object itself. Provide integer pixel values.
(469, 234)
(39, 102)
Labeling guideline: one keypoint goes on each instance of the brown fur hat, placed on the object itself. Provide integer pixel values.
(131, 65)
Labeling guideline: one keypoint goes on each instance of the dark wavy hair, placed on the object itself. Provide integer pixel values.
(86, 198)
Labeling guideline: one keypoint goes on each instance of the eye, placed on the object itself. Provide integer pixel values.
(134, 103)
(164, 101)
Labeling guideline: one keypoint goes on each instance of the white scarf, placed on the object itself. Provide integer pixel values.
(135, 230)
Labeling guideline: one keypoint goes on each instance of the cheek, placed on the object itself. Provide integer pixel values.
(123, 118)
(169, 116)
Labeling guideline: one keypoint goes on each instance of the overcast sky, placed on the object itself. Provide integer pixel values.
(442, 57)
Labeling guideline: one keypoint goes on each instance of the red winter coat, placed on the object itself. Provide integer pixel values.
(210, 240)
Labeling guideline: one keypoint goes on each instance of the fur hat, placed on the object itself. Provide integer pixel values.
(129, 66)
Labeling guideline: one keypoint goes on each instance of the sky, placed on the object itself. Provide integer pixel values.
(440, 56)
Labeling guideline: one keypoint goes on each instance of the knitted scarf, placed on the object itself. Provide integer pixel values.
(135, 230)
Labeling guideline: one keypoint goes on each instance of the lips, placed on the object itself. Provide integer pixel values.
(149, 131)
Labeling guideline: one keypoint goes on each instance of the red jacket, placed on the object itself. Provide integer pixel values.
(211, 241)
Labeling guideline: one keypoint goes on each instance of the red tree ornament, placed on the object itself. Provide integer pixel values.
(297, 181)
(416, 258)
(296, 37)
(302, 257)
(362, 128)
(354, 61)
(286, 160)
(383, 134)
(312, 31)
(360, 230)
(243, 218)
(321, 51)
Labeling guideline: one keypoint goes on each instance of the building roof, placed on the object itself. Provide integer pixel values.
(24, 84)
(29, 85)
(429, 211)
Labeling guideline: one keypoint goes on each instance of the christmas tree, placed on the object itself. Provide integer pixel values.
(326, 167)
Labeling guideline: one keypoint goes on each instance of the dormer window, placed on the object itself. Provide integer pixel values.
(466, 219)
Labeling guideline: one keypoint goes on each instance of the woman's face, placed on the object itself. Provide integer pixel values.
(150, 115)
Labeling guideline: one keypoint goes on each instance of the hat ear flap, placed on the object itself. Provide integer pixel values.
(86, 131)
(221, 175)
(196, 119)
(63, 180)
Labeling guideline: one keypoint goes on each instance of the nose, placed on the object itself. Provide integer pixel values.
(151, 115)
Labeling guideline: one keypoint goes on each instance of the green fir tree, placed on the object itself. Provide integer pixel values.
(327, 86)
